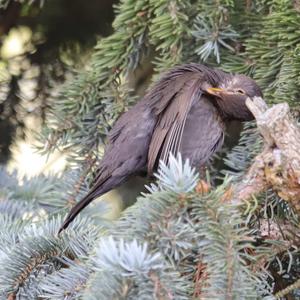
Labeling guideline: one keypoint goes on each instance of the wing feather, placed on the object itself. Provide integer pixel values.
(168, 132)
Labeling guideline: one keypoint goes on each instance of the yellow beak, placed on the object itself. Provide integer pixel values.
(214, 91)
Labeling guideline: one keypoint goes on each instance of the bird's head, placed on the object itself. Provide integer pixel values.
(231, 94)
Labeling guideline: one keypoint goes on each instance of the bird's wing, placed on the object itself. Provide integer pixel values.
(173, 109)
(125, 154)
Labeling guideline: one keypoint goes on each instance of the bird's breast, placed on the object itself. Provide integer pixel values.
(203, 132)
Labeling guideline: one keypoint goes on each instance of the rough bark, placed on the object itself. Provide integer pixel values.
(278, 165)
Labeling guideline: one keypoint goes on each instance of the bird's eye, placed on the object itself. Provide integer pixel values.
(240, 91)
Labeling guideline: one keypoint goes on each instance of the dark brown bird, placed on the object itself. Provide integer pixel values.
(183, 112)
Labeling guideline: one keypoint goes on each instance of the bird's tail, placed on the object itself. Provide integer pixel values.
(100, 187)
(76, 210)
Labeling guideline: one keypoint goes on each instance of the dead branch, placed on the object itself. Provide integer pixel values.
(278, 165)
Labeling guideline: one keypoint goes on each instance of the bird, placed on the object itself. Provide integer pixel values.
(184, 111)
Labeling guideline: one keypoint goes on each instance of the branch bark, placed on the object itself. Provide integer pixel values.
(278, 165)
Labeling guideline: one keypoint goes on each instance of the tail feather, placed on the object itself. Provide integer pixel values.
(76, 210)
(101, 186)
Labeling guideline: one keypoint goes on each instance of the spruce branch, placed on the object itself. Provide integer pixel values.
(223, 243)
(273, 52)
(67, 283)
(166, 221)
(4, 3)
(178, 176)
(177, 222)
(212, 36)
(239, 159)
(128, 270)
(168, 30)
(38, 252)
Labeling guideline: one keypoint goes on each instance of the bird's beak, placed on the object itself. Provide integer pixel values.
(215, 91)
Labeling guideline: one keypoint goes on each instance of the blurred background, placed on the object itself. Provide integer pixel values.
(40, 46)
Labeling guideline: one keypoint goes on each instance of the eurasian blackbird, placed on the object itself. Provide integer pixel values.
(183, 112)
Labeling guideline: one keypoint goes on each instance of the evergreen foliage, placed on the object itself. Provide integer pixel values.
(4, 3)
(175, 242)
